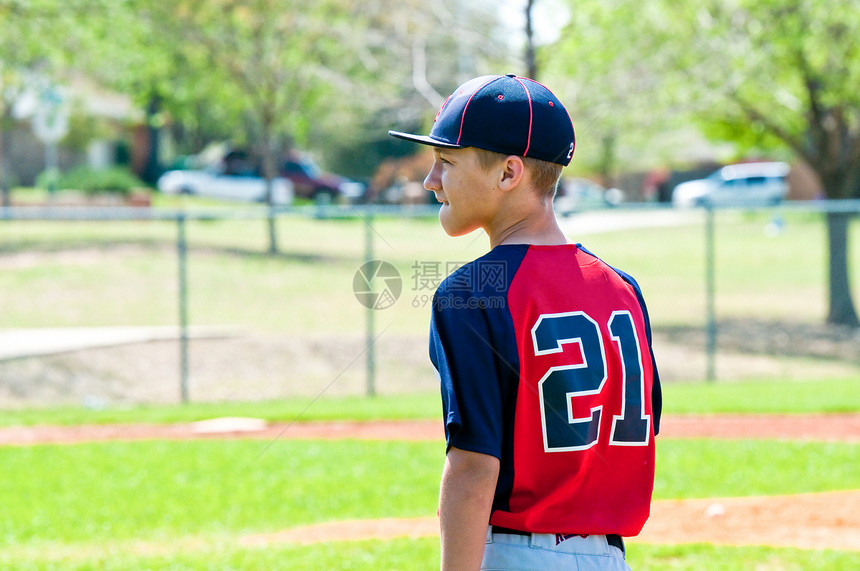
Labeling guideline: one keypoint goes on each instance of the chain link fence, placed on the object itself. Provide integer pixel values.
(127, 306)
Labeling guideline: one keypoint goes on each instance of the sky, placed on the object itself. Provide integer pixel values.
(549, 16)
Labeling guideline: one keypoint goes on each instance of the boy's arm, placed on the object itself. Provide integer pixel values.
(465, 502)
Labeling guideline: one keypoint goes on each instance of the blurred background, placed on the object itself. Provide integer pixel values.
(190, 188)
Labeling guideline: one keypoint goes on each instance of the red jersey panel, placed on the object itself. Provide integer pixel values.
(583, 439)
(544, 359)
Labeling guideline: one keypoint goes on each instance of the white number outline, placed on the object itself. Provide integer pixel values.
(622, 416)
(569, 396)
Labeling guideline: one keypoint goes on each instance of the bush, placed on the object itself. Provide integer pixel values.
(114, 180)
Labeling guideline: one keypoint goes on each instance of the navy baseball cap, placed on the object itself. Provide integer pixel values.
(505, 114)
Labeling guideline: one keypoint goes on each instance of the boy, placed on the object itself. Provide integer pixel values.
(550, 394)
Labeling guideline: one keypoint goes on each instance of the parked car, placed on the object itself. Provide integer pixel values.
(743, 184)
(309, 181)
(579, 194)
(216, 183)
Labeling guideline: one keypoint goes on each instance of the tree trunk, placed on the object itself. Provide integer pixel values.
(6, 125)
(531, 60)
(5, 191)
(270, 171)
(841, 310)
(609, 145)
(152, 168)
(273, 222)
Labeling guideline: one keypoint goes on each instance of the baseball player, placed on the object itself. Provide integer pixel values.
(550, 394)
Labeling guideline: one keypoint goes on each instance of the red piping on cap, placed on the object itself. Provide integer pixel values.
(531, 117)
(436, 118)
(466, 106)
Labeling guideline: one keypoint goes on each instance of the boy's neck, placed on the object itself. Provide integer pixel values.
(538, 228)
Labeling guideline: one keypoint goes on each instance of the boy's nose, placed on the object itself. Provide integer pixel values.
(431, 181)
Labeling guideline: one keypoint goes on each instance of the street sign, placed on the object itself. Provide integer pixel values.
(51, 120)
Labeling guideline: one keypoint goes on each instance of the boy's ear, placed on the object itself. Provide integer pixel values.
(512, 172)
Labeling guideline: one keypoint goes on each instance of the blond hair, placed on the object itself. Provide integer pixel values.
(545, 175)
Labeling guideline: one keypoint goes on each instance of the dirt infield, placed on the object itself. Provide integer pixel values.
(818, 427)
(810, 521)
(807, 521)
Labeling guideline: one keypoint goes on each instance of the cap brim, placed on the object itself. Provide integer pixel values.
(424, 140)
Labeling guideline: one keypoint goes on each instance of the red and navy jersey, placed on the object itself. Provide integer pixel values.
(545, 362)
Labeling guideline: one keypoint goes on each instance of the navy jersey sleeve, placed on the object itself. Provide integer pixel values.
(473, 349)
(656, 390)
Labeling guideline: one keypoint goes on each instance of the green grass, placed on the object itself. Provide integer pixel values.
(753, 270)
(309, 286)
(748, 397)
(222, 554)
(155, 490)
(721, 468)
(763, 396)
(407, 554)
(404, 407)
(422, 555)
(704, 557)
(124, 273)
(183, 505)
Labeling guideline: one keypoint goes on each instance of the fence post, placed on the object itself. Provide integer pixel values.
(370, 312)
(710, 293)
(182, 252)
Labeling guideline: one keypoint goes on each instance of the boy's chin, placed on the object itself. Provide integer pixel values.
(457, 232)
(452, 228)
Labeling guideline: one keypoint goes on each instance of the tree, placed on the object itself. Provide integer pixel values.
(47, 42)
(794, 68)
(423, 50)
(413, 54)
(281, 72)
(807, 54)
(265, 59)
(610, 65)
(770, 72)
(292, 69)
(23, 52)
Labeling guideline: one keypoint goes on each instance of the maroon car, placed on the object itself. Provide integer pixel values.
(309, 181)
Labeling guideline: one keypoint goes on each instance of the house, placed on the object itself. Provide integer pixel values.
(97, 132)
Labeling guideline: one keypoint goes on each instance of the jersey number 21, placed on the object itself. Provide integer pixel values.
(562, 385)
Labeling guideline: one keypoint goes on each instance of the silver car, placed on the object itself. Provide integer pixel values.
(742, 184)
(246, 187)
